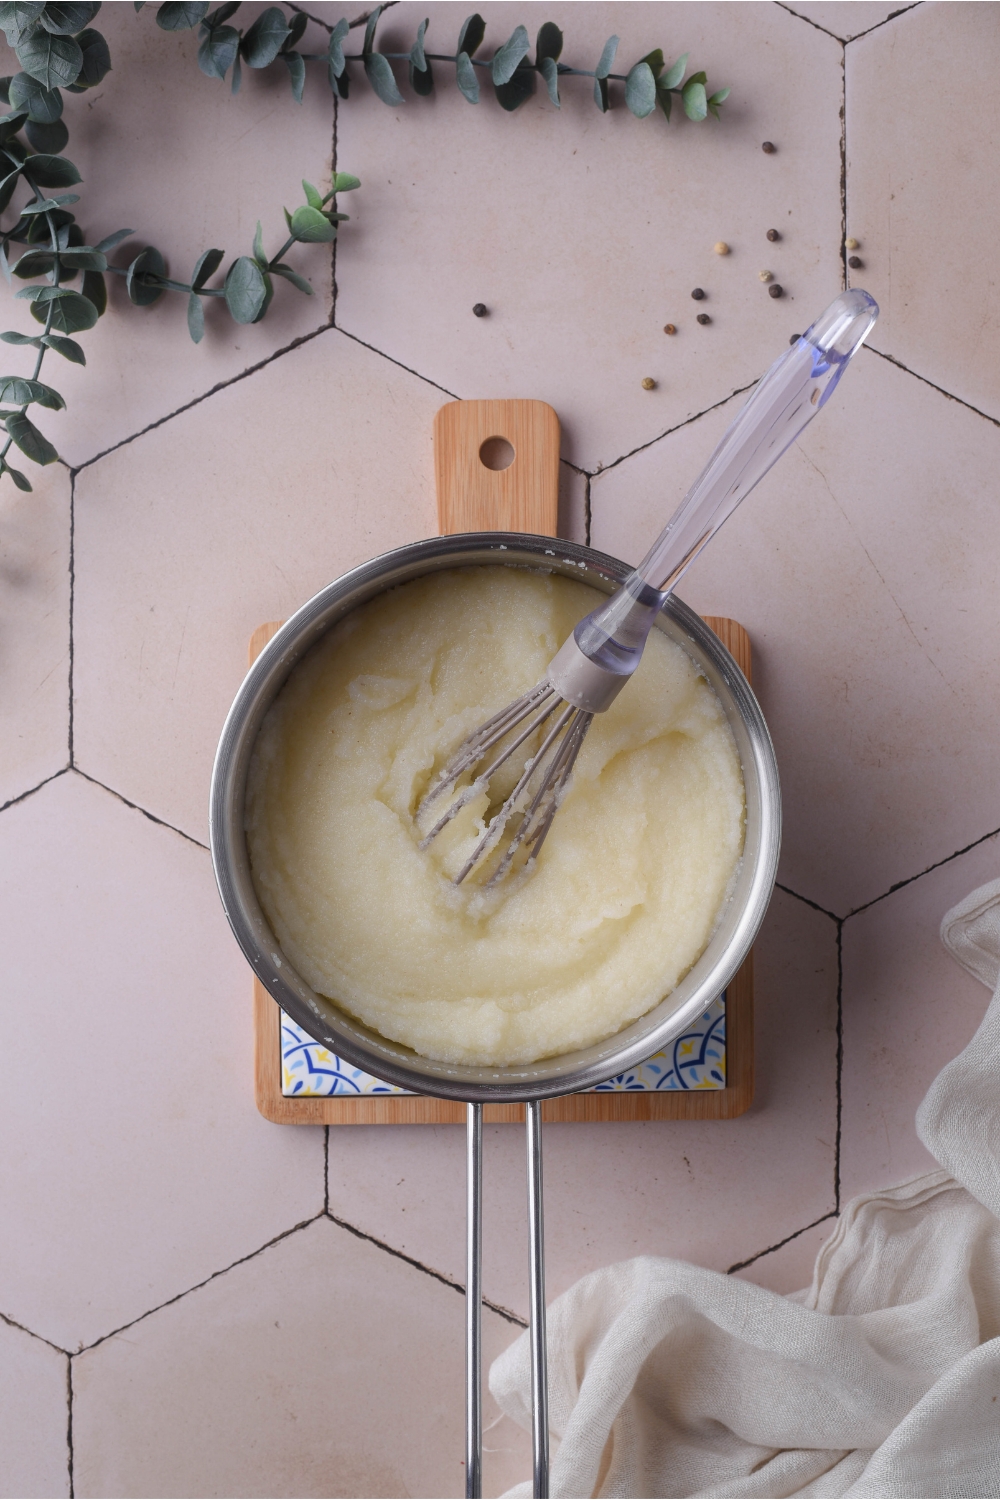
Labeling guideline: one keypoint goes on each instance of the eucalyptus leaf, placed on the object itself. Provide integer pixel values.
(418, 56)
(465, 77)
(280, 269)
(268, 294)
(51, 171)
(298, 24)
(505, 62)
(607, 61)
(68, 19)
(345, 182)
(196, 318)
(68, 348)
(665, 100)
(340, 83)
(5, 88)
(45, 205)
(222, 13)
(16, 19)
(369, 41)
(21, 480)
(258, 245)
(33, 263)
(21, 392)
(380, 76)
(83, 258)
(32, 443)
(265, 38)
(312, 227)
(295, 63)
(246, 289)
(148, 262)
(335, 51)
(50, 138)
(550, 72)
(715, 100)
(237, 80)
(672, 77)
(10, 124)
(42, 293)
(111, 240)
(21, 338)
(518, 88)
(548, 43)
(95, 290)
(695, 99)
(181, 15)
(640, 90)
(40, 104)
(54, 60)
(470, 38)
(601, 96)
(7, 187)
(655, 61)
(312, 195)
(4, 262)
(208, 263)
(218, 51)
(71, 313)
(421, 76)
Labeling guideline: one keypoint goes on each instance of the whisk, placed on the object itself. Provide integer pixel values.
(593, 665)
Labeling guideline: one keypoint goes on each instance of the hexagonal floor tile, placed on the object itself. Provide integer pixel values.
(135, 1163)
(323, 1366)
(230, 162)
(908, 1009)
(789, 1267)
(702, 1191)
(922, 195)
(34, 630)
(585, 234)
(845, 18)
(34, 1452)
(233, 513)
(864, 568)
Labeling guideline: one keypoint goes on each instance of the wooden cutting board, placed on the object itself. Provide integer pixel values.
(496, 467)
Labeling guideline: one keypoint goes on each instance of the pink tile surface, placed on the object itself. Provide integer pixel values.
(908, 1008)
(34, 1453)
(789, 1267)
(135, 1163)
(268, 1380)
(578, 298)
(34, 630)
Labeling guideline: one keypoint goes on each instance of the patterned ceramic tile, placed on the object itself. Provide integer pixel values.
(696, 1060)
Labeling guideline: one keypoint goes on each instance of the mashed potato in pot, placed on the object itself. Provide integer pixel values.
(626, 891)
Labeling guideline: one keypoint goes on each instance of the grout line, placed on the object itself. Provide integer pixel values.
(136, 808)
(13, 1323)
(222, 385)
(890, 17)
(809, 22)
(588, 510)
(840, 1064)
(23, 796)
(326, 1169)
(857, 910)
(805, 899)
(72, 601)
(284, 1235)
(741, 1265)
(843, 166)
(456, 1286)
(397, 362)
(739, 391)
(939, 388)
(333, 247)
(69, 1424)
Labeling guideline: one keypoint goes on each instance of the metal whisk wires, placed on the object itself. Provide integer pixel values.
(535, 798)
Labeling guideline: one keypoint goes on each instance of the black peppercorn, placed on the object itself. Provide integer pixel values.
(855, 262)
(704, 318)
(480, 309)
(795, 338)
(773, 235)
(698, 294)
(776, 290)
(768, 148)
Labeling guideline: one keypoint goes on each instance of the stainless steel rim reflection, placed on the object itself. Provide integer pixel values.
(356, 1042)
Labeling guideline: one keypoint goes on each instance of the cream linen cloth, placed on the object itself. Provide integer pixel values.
(882, 1379)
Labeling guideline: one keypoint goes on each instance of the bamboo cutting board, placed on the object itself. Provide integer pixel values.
(497, 469)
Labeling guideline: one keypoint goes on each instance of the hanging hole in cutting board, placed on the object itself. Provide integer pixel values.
(496, 453)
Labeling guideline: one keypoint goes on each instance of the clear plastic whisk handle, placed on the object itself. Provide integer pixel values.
(783, 403)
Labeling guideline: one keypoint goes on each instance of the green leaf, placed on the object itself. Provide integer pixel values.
(196, 318)
(298, 25)
(470, 38)
(50, 138)
(68, 348)
(95, 290)
(265, 39)
(550, 72)
(150, 263)
(465, 77)
(268, 294)
(20, 392)
(7, 187)
(10, 124)
(222, 13)
(19, 479)
(31, 442)
(607, 59)
(507, 60)
(380, 76)
(5, 88)
(340, 83)
(335, 52)
(236, 84)
(421, 77)
(312, 195)
(110, 241)
(369, 41)
(33, 263)
(20, 338)
(640, 90)
(716, 99)
(4, 262)
(548, 43)
(83, 258)
(344, 182)
(672, 77)
(51, 171)
(16, 19)
(42, 293)
(54, 60)
(246, 289)
(280, 269)
(181, 15)
(67, 20)
(418, 56)
(208, 264)
(45, 205)
(655, 61)
(72, 313)
(519, 87)
(217, 52)
(665, 100)
(309, 225)
(40, 104)
(295, 63)
(258, 244)
(695, 100)
(601, 97)
(96, 58)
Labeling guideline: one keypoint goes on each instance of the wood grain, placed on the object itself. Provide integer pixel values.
(472, 497)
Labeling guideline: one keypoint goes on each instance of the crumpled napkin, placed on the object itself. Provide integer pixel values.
(882, 1379)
